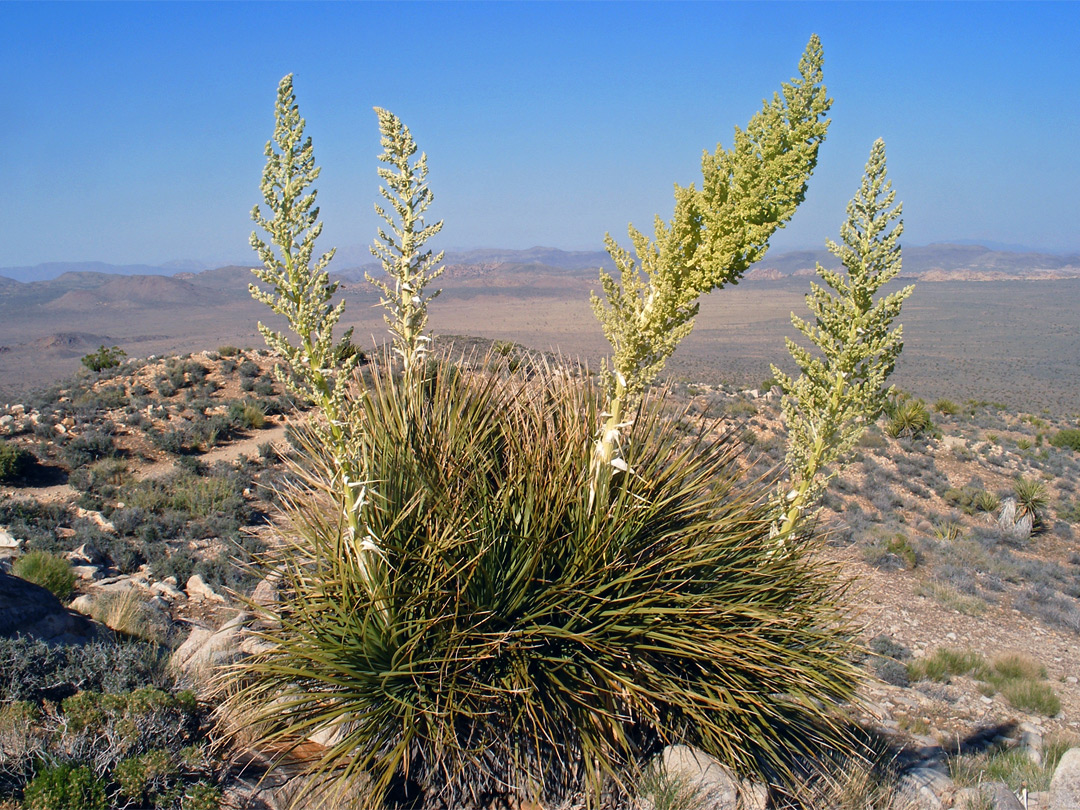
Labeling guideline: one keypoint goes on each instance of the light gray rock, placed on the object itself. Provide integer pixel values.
(267, 592)
(927, 788)
(205, 651)
(1065, 786)
(197, 588)
(1031, 743)
(1001, 796)
(84, 555)
(167, 590)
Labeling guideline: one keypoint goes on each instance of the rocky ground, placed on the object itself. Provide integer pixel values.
(156, 481)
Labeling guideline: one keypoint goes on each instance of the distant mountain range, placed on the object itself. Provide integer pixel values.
(183, 279)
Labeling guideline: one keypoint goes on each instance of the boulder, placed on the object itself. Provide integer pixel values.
(1001, 797)
(167, 590)
(926, 788)
(85, 555)
(197, 588)
(1065, 786)
(205, 651)
(30, 610)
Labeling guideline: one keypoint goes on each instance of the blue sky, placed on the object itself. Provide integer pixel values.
(133, 133)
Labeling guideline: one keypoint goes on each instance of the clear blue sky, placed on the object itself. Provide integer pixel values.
(133, 133)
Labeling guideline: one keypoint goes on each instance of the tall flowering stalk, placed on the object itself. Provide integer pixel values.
(842, 388)
(315, 368)
(409, 267)
(716, 233)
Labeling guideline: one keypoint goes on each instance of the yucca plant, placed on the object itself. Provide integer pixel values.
(525, 643)
(907, 417)
(1031, 499)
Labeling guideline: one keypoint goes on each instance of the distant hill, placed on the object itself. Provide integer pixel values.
(938, 262)
(48, 284)
(51, 270)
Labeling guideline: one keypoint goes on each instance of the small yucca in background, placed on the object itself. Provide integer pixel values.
(526, 644)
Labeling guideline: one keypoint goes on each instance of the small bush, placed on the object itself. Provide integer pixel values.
(92, 446)
(65, 787)
(47, 570)
(1070, 437)
(201, 796)
(104, 358)
(147, 776)
(15, 462)
(249, 370)
(946, 407)
(246, 416)
(127, 613)
(908, 417)
(945, 663)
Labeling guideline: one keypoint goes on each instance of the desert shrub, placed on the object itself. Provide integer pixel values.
(47, 570)
(965, 498)
(907, 417)
(164, 386)
(946, 407)
(201, 796)
(264, 387)
(246, 416)
(127, 613)
(34, 671)
(101, 477)
(892, 552)
(1069, 511)
(944, 663)
(175, 563)
(65, 787)
(106, 398)
(104, 358)
(145, 777)
(141, 727)
(892, 672)
(35, 522)
(195, 494)
(1069, 437)
(249, 369)
(15, 462)
(195, 372)
(479, 505)
(92, 446)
